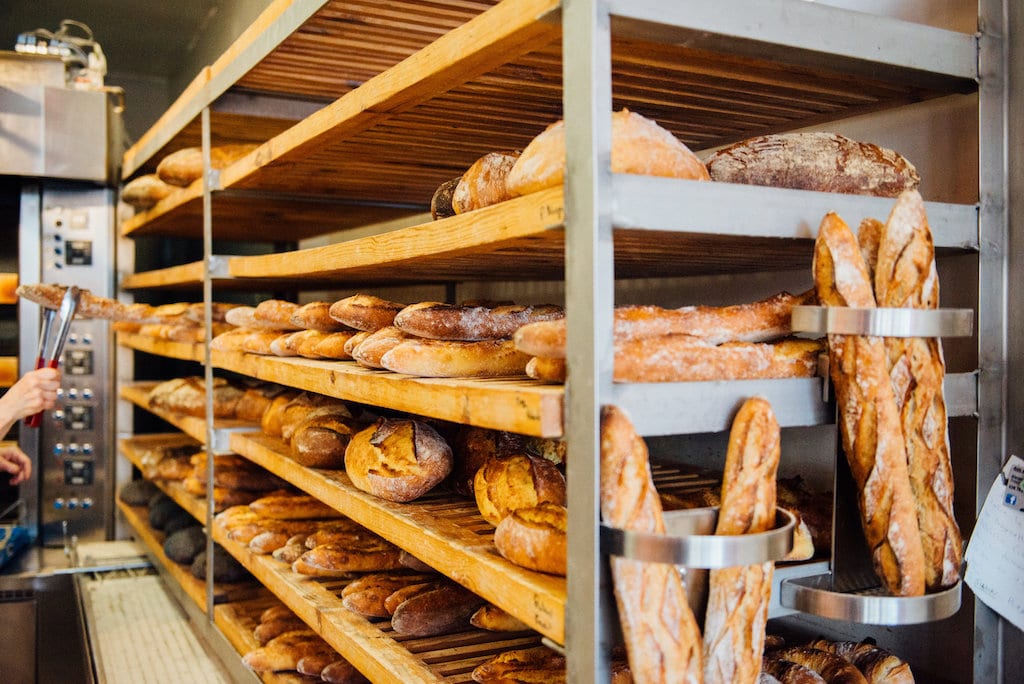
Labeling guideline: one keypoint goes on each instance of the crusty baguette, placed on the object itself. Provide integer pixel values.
(878, 665)
(682, 358)
(284, 651)
(403, 594)
(185, 166)
(639, 146)
(292, 507)
(315, 316)
(906, 277)
(766, 319)
(737, 611)
(832, 668)
(869, 420)
(365, 312)
(825, 162)
(368, 553)
(275, 313)
(275, 626)
(449, 359)
(367, 594)
(439, 611)
(662, 638)
(438, 321)
(370, 351)
(333, 345)
(483, 183)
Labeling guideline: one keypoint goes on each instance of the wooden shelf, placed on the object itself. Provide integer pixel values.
(390, 142)
(183, 351)
(443, 530)
(132, 448)
(372, 647)
(138, 394)
(137, 518)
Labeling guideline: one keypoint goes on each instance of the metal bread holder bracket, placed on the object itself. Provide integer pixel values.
(815, 595)
(688, 541)
(883, 322)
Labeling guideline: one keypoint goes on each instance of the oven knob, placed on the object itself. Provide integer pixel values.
(87, 448)
(60, 392)
(86, 338)
(73, 448)
(58, 415)
(72, 504)
(87, 393)
(73, 393)
(72, 338)
(58, 503)
(58, 449)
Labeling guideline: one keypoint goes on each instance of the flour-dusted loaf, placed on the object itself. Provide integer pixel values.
(398, 459)
(454, 359)
(661, 634)
(737, 611)
(483, 183)
(145, 191)
(441, 201)
(905, 276)
(360, 553)
(869, 420)
(439, 321)
(826, 162)
(185, 166)
(639, 146)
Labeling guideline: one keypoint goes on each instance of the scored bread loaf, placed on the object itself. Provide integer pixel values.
(825, 162)
(662, 638)
(365, 312)
(639, 146)
(185, 166)
(292, 507)
(360, 553)
(472, 447)
(441, 610)
(483, 183)
(878, 665)
(370, 351)
(738, 598)
(438, 321)
(188, 396)
(398, 460)
(315, 316)
(869, 420)
(759, 321)
(320, 439)
(452, 359)
(275, 314)
(284, 651)
(333, 345)
(535, 538)
(905, 276)
(832, 668)
(366, 595)
(506, 483)
(403, 594)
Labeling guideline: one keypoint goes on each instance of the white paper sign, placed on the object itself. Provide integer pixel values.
(995, 554)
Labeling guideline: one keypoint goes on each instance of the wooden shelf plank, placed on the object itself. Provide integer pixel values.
(372, 647)
(184, 351)
(514, 404)
(133, 448)
(444, 531)
(138, 394)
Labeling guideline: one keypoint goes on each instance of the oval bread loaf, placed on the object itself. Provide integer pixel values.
(145, 191)
(365, 312)
(535, 538)
(185, 166)
(452, 359)
(438, 321)
(483, 183)
(825, 162)
(398, 460)
(505, 484)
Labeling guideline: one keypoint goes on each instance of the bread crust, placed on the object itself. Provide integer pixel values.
(145, 191)
(535, 538)
(363, 553)
(661, 634)
(639, 146)
(737, 611)
(450, 359)
(275, 314)
(507, 483)
(869, 418)
(185, 166)
(442, 610)
(825, 162)
(905, 276)
(398, 460)
(316, 316)
(483, 183)
(365, 312)
(760, 321)
(292, 507)
(441, 201)
(370, 351)
(878, 665)
(832, 668)
(438, 321)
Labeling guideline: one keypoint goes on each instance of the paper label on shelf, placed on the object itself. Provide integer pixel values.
(995, 565)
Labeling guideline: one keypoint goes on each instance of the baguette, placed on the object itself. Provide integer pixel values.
(315, 316)
(876, 664)
(662, 638)
(368, 553)
(292, 507)
(446, 359)
(185, 166)
(682, 358)
(760, 321)
(869, 419)
(333, 345)
(441, 201)
(494, 619)
(402, 594)
(737, 611)
(284, 651)
(832, 668)
(905, 276)
(273, 627)
(366, 595)
(258, 341)
(437, 321)
(365, 312)
(275, 314)
(370, 351)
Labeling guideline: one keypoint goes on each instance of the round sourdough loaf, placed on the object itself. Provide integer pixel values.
(639, 146)
(398, 460)
(507, 483)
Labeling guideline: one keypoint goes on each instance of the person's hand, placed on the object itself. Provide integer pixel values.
(36, 391)
(14, 461)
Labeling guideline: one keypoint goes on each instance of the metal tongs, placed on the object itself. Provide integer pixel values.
(49, 354)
